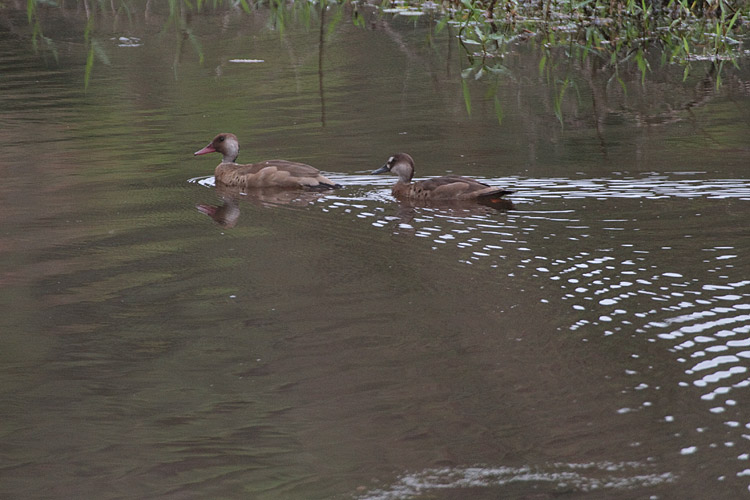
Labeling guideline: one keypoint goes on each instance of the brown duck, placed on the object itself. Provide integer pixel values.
(449, 188)
(266, 174)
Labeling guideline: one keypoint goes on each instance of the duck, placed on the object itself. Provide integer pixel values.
(448, 188)
(281, 174)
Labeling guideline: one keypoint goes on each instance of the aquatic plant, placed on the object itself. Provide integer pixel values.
(572, 40)
(614, 32)
(616, 37)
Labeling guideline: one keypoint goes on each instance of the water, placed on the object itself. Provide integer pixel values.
(593, 341)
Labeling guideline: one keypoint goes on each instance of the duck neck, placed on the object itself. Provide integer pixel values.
(404, 172)
(231, 152)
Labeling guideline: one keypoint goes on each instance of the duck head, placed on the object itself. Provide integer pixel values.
(226, 144)
(400, 164)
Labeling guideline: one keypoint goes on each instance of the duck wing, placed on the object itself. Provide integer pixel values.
(273, 174)
(455, 187)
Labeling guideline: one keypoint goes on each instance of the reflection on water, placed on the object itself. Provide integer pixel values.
(226, 215)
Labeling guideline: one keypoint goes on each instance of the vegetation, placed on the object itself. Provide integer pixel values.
(615, 36)
(614, 32)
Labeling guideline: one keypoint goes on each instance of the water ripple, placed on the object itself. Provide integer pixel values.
(628, 275)
(560, 477)
(527, 189)
(652, 187)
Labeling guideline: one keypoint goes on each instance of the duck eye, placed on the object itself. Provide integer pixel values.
(221, 139)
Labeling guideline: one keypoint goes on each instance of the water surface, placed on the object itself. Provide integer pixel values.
(592, 341)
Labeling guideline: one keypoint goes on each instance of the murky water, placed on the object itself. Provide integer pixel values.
(593, 341)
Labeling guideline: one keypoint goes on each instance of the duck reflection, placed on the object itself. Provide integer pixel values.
(466, 207)
(411, 217)
(227, 213)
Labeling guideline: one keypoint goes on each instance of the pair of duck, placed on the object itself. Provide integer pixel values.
(291, 175)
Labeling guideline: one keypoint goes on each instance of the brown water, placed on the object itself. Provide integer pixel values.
(593, 342)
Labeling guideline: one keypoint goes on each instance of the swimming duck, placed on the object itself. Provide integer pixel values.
(266, 174)
(444, 189)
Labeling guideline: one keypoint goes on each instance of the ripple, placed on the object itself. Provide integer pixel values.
(650, 187)
(205, 181)
(612, 288)
(584, 477)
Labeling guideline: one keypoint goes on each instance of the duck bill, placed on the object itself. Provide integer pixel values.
(206, 150)
(381, 170)
(209, 210)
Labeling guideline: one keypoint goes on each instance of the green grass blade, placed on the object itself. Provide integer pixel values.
(467, 96)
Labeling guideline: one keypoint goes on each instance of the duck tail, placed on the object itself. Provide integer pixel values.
(497, 194)
(495, 199)
(325, 187)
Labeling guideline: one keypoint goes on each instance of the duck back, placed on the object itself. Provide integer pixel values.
(272, 173)
(449, 187)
